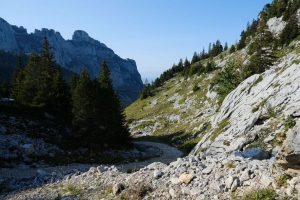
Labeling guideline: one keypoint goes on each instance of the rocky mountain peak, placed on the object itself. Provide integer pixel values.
(80, 52)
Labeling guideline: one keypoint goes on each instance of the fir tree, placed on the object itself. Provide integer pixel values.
(116, 132)
(17, 79)
(82, 105)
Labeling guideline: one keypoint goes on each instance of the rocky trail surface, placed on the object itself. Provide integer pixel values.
(168, 154)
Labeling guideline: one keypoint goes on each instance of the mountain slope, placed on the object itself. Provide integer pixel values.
(80, 52)
(254, 114)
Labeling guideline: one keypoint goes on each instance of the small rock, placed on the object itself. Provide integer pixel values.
(185, 190)
(185, 178)
(229, 182)
(157, 173)
(172, 193)
(207, 170)
(174, 181)
(234, 185)
(245, 175)
(28, 149)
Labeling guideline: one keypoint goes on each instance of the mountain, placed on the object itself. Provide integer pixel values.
(242, 104)
(80, 52)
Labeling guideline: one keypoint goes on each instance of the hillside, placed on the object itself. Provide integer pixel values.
(184, 116)
(234, 113)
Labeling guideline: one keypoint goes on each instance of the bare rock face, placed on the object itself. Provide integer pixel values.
(289, 154)
(80, 52)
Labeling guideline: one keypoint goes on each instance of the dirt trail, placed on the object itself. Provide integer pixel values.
(169, 154)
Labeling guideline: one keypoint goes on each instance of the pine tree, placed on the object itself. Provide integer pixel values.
(61, 97)
(232, 49)
(116, 132)
(290, 31)
(225, 46)
(195, 58)
(82, 105)
(263, 57)
(17, 79)
(73, 83)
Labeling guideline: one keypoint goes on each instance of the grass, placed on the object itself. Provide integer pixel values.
(219, 129)
(282, 180)
(138, 193)
(230, 165)
(260, 194)
(289, 122)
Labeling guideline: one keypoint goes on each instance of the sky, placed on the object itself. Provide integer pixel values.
(155, 33)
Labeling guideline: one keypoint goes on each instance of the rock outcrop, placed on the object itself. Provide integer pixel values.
(80, 52)
(289, 154)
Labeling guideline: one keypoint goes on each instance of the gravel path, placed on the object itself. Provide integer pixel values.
(169, 154)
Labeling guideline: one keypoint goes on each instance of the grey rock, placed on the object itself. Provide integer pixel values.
(27, 149)
(265, 180)
(289, 154)
(245, 176)
(234, 185)
(185, 190)
(172, 192)
(81, 50)
(157, 173)
(228, 182)
(207, 170)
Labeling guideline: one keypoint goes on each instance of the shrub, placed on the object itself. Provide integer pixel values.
(196, 87)
(289, 122)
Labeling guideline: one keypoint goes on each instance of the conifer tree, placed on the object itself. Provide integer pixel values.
(263, 57)
(82, 105)
(115, 131)
(17, 79)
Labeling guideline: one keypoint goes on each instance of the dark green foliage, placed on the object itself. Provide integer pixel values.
(226, 46)
(228, 79)
(146, 92)
(210, 66)
(251, 29)
(73, 83)
(290, 31)
(4, 89)
(98, 114)
(17, 79)
(82, 106)
(232, 49)
(282, 180)
(41, 83)
(262, 50)
(195, 87)
(116, 132)
(195, 58)
(289, 122)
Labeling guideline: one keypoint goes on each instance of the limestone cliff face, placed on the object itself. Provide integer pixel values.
(80, 52)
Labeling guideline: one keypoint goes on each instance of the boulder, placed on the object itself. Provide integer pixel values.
(27, 149)
(289, 154)
(256, 153)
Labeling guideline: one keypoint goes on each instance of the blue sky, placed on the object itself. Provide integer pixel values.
(155, 33)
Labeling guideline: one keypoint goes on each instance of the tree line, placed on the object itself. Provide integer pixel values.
(187, 68)
(96, 111)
